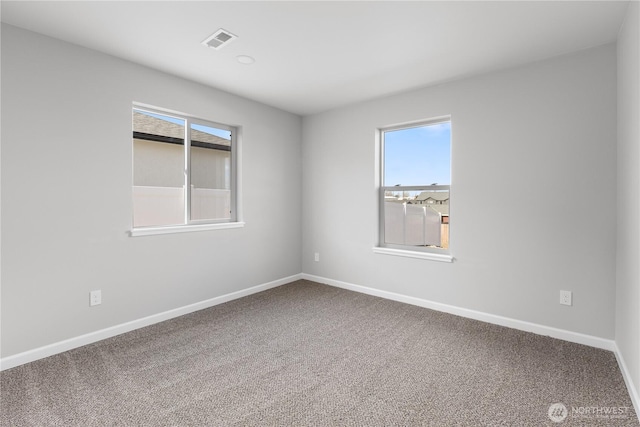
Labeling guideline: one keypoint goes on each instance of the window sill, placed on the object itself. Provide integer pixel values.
(150, 231)
(414, 254)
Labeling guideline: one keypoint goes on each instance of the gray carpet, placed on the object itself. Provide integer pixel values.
(306, 354)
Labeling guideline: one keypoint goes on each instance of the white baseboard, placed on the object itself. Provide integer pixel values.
(71, 343)
(633, 391)
(535, 328)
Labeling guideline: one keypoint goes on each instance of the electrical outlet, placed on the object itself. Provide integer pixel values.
(316, 257)
(95, 298)
(565, 297)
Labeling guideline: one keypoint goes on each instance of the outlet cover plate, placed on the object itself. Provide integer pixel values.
(95, 298)
(565, 298)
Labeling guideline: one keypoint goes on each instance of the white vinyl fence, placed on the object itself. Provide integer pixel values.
(165, 205)
(415, 225)
(210, 203)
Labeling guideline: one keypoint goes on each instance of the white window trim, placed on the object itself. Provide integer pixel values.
(187, 228)
(432, 254)
(236, 183)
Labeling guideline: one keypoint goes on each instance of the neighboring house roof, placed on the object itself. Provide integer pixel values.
(435, 195)
(151, 125)
(442, 209)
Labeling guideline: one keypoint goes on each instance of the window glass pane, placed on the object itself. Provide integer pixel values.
(418, 156)
(158, 169)
(210, 173)
(417, 177)
(417, 218)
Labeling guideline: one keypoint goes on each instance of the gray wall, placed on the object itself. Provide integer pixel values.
(628, 260)
(533, 193)
(66, 195)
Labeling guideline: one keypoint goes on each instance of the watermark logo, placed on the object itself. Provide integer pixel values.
(558, 412)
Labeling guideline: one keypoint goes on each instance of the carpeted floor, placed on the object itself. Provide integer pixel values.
(306, 354)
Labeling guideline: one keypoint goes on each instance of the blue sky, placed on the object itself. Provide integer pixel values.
(418, 156)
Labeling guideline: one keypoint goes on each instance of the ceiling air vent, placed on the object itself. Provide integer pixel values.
(219, 39)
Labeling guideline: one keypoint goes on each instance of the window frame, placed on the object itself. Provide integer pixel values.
(431, 253)
(189, 225)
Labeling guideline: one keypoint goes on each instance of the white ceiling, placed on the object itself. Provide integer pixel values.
(315, 56)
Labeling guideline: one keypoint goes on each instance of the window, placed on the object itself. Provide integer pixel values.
(415, 177)
(184, 173)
